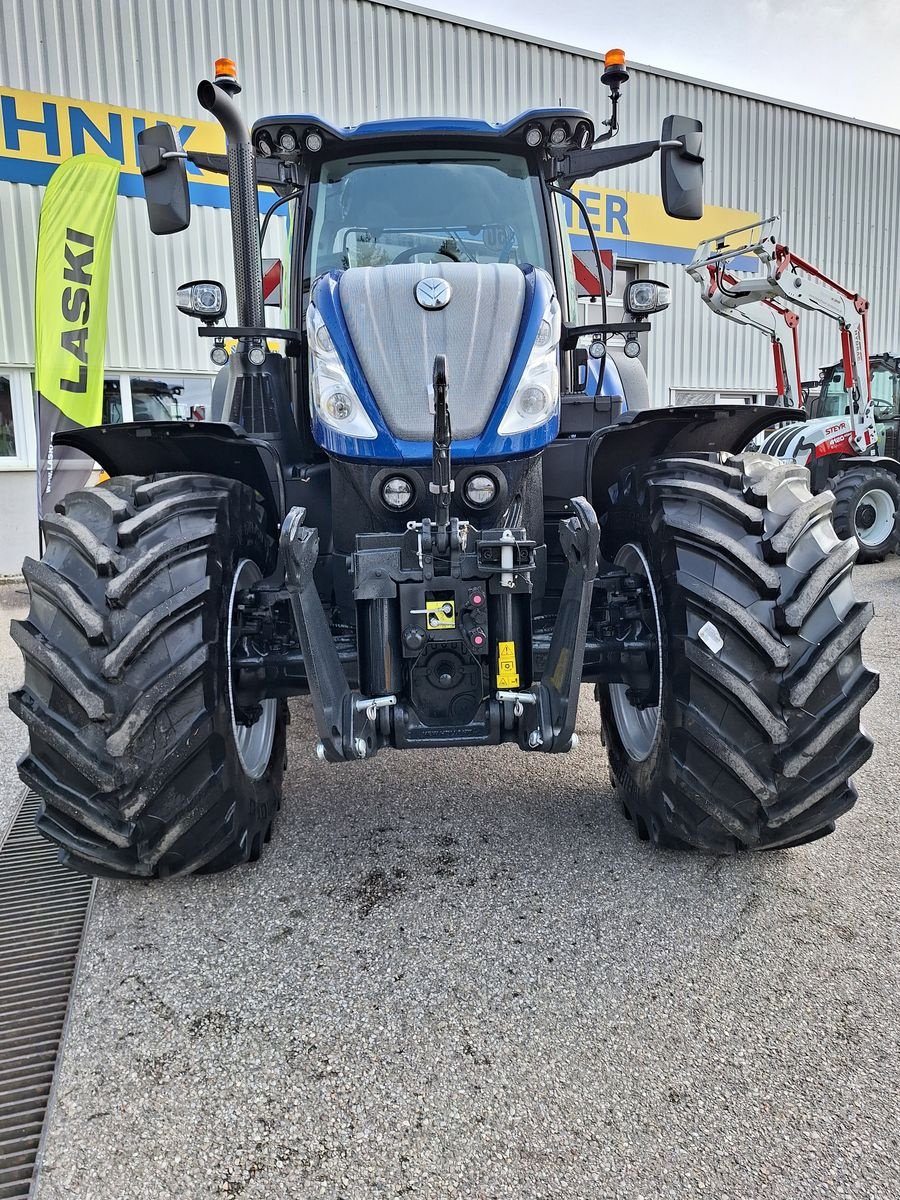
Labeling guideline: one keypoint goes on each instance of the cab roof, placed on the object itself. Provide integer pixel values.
(269, 131)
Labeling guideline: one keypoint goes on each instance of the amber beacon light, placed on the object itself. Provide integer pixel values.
(614, 72)
(226, 68)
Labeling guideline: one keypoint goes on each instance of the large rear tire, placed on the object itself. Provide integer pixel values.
(866, 502)
(755, 732)
(143, 767)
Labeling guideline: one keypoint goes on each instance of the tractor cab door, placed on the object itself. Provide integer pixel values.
(834, 400)
(886, 399)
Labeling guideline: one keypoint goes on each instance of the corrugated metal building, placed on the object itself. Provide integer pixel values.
(835, 180)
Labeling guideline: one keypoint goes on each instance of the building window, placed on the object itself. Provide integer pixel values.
(184, 397)
(156, 397)
(17, 437)
(687, 396)
(7, 425)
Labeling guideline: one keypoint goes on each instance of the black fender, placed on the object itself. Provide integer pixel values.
(660, 432)
(846, 461)
(825, 469)
(193, 447)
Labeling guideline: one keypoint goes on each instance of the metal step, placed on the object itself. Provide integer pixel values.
(43, 913)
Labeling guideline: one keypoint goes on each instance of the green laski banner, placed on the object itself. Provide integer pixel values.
(71, 292)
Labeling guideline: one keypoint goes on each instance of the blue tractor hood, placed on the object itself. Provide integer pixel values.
(376, 436)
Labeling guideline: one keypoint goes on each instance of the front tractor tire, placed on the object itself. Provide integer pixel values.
(866, 504)
(144, 767)
(753, 732)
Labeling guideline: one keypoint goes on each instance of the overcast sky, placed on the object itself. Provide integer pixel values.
(840, 55)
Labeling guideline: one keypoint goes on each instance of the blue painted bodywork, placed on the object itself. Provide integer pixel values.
(612, 383)
(386, 448)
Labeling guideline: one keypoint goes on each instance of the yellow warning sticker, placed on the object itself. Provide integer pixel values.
(440, 614)
(507, 671)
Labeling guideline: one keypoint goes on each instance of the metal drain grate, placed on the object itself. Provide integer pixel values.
(43, 909)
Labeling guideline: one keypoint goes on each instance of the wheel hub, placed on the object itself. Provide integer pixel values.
(874, 517)
(865, 516)
(638, 723)
(252, 727)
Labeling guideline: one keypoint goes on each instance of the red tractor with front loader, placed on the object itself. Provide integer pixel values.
(840, 442)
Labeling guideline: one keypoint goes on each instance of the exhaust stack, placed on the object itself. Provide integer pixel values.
(216, 98)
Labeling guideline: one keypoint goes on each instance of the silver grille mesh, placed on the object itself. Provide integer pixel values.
(43, 908)
(396, 340)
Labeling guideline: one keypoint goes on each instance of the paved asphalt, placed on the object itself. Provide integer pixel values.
(460, 975)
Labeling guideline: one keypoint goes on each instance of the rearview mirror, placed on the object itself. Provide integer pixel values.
(682, 168)
(162, 162)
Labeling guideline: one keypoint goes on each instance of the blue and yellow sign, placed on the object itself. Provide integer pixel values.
(38, 132)
(636, 226)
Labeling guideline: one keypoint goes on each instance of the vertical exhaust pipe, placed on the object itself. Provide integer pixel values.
(242, 188)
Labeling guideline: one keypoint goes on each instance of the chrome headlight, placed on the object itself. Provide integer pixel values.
(646, 296)
(480, 490)
(202, 298)
(536, 399)
(397, 492)
(332, 396)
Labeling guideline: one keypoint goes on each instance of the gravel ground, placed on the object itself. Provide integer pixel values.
(460, 975)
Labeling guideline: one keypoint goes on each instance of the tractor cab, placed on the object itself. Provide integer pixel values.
(426, 238)
(833, 399)
(438, 192)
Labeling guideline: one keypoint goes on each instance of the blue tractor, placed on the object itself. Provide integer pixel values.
(437, 514)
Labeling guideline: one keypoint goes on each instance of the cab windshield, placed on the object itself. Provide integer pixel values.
(834, 398)
(378, 209)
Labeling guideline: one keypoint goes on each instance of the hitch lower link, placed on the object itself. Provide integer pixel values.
(547, 711)
(347, 721)
(352, 726)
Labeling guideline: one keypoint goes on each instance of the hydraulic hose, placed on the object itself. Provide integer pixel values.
(242, 190)
(576, 200)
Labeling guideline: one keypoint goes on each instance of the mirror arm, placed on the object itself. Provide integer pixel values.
(584, 163)
(680, 144)
(269, 171)
(152, 159)
(216, 164)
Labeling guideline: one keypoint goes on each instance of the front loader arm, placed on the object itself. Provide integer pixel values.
(803, 284)
(787, 278)
(722, 295)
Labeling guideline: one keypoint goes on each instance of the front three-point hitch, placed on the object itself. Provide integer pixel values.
(444, 645)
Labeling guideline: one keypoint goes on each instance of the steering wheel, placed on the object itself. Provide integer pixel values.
(406, 256)
(884, 410)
